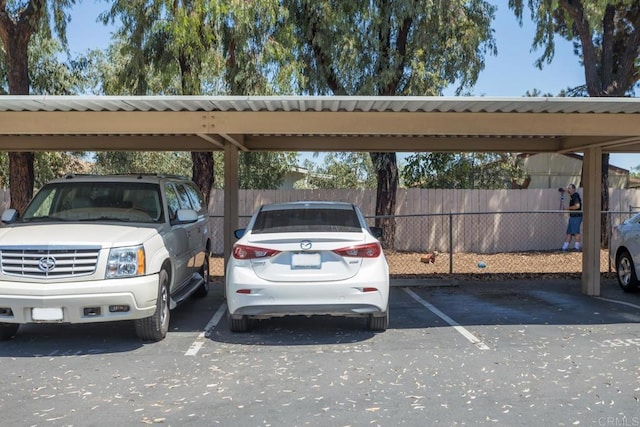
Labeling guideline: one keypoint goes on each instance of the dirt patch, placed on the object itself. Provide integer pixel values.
(468, 265)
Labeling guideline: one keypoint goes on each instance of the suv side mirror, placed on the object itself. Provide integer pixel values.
(186, 215)
(9, 216)
(239, 232)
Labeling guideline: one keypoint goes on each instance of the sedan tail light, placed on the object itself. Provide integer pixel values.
(369, 250)
(252, 252)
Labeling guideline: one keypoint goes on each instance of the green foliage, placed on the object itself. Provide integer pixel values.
(121, 162)
(359, 47)
(47, 166)
(193, 47)
(342, 170)
(264, 170)
(258, 48)
(161, 47)
(605, 35)
(48, 72)
(259, 170)
(462, 170)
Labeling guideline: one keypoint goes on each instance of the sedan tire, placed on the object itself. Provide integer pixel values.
(8, 330)
(626, 272)
(239, 325)
(156, 326)
(378, 323)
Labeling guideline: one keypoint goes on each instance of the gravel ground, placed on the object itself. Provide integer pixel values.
(466, 265)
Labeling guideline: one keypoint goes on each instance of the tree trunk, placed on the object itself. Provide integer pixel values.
(21, 179)
(203, 172)
(15, 39)
(386, 166)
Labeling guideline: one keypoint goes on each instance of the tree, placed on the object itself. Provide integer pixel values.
(264, 170)
(342, 170)
(19, 21)
(462, 170)
(192, 47)
(121, 162)
(387, 48)
(167, 41)
(606, 37)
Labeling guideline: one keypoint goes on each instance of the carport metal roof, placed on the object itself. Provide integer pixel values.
(300, 123)
(202, 123)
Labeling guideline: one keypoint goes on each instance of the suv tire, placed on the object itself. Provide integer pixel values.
(8, 330)
(156, 326)
(203, 290)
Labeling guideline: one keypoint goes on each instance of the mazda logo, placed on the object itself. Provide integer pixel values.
(47, 263)
(305, 245)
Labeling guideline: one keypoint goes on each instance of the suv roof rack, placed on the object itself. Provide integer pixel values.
(139, 175)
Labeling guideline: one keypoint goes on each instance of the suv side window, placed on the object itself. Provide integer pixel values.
(185, 202)
(173, 202)
(197, 201)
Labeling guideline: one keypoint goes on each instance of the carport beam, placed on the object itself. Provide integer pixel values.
(230, 197)
(591, 207)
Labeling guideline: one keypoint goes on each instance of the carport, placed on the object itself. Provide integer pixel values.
(232, 124)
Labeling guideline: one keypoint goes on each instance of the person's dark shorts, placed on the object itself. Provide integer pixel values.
(574, 225)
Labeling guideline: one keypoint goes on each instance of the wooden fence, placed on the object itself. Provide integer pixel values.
(482, 221)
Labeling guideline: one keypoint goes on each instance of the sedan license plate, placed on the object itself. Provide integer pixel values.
(47, 314)
(305, 260)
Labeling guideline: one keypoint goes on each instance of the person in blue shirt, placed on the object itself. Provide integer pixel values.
(575, 218)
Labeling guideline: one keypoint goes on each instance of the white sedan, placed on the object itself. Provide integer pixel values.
(307, 258)
(624, 252)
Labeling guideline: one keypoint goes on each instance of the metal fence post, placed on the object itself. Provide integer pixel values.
(450, 242)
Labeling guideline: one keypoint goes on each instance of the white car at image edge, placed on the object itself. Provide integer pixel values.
(624, 251)
(307, 258)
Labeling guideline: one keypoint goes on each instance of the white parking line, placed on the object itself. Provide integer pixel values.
(199, 342)
(618, 302)
(465, 333)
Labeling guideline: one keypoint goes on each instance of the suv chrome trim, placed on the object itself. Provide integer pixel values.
(51, 262)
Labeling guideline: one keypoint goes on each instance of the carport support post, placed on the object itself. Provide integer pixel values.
(591, 207)
(230, 198)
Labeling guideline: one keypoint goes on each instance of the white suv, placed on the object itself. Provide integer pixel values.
(94, 248)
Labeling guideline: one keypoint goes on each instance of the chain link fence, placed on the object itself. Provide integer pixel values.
(518, 243)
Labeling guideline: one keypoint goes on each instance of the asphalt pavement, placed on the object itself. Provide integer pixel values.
(498, 353)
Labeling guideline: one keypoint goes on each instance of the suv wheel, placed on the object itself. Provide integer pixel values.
(8, 330)
(156, 326)
(203, 290)
(626, 273)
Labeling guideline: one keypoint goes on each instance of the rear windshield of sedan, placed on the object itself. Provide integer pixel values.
(307, 220)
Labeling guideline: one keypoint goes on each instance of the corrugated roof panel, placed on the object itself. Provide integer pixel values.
(320, 103)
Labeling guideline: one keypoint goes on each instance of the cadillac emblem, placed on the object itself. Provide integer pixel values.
(47, 263)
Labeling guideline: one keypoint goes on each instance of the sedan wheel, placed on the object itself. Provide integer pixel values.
(156, 326)
(626, 273)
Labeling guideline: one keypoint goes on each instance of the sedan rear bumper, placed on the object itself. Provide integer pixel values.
(343, 310)
(251, 296)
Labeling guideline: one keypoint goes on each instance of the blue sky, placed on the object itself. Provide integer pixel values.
(511, 73)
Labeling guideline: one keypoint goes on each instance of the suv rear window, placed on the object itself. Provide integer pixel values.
(307, 220)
